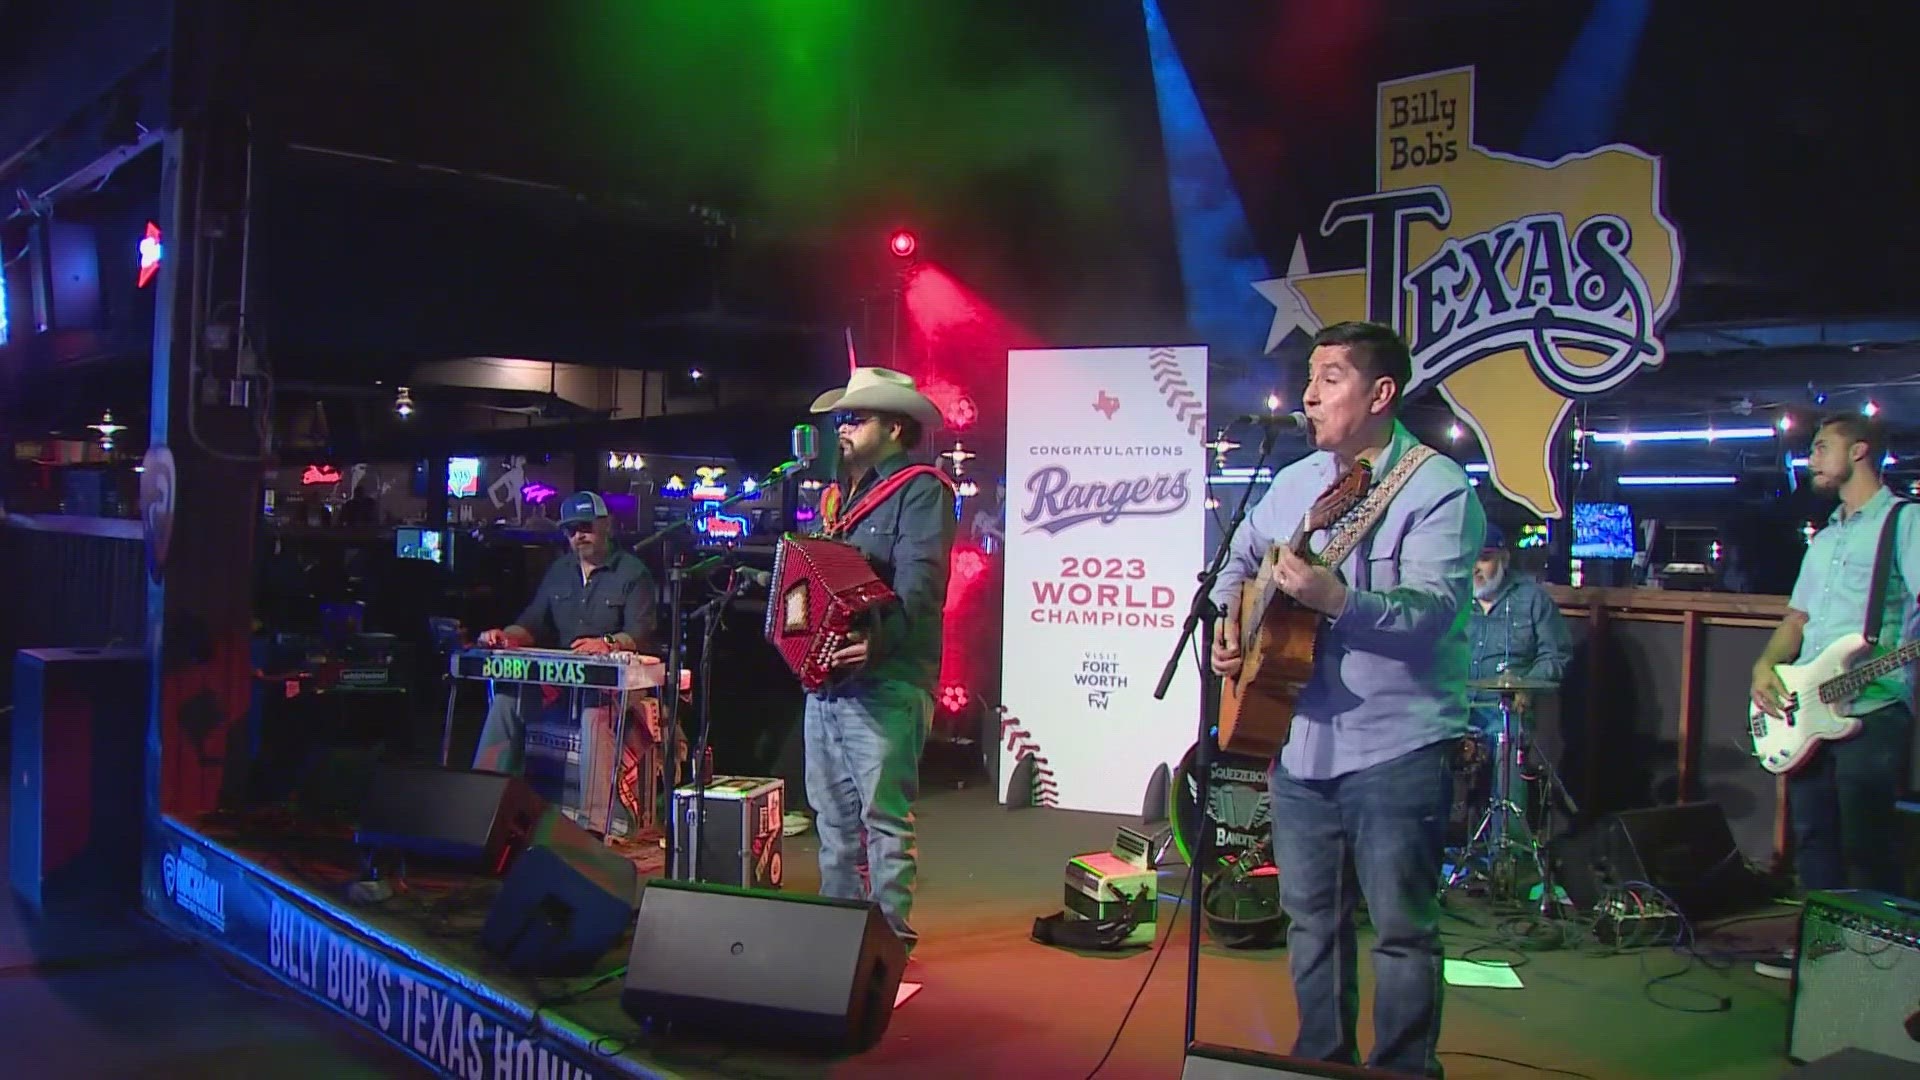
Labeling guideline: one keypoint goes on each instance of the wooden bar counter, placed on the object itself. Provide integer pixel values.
(1654, 708)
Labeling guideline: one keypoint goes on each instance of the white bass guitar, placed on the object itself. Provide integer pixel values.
(1815, 691)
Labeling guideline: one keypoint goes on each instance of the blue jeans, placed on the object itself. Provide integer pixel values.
(1841, 806)
(1381, 828)
(863, 775)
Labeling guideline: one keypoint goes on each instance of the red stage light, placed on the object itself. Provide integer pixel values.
(902, 243)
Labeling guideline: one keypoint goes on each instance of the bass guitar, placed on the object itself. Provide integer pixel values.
(1815, 692)
(1277, 637)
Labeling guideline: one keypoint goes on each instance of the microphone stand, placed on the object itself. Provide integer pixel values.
(1202, 613)
(714, 612)
(677, 576)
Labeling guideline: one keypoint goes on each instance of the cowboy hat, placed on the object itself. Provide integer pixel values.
(882, 391)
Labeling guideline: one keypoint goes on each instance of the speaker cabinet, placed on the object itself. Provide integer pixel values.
(462, 816)
(79, 742)
(1685, 851)
(1857, 984)
(565, 902)
(803, 970)
(1208, 1062)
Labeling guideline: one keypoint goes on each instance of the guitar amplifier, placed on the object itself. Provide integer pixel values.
(1116, 885)
(740, 836)
(1857, 985)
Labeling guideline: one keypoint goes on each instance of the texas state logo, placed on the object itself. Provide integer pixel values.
(1521, 286)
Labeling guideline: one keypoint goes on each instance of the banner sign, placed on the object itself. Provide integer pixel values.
(1106, 525)
(1521, 286)
(198, 889)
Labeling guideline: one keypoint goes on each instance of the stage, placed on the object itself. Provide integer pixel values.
(993, 1003)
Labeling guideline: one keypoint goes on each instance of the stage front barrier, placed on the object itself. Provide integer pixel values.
(1654, 709)
(1106, 525)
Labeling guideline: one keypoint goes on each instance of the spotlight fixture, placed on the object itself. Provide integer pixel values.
(903, 244)
(403, 403)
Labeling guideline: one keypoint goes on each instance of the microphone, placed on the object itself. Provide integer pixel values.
(1293, 421)
(803, 443)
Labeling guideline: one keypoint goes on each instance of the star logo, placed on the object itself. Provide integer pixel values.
(1106, 405)
(1521, 286)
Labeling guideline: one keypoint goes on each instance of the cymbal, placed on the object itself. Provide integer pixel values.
(1509, 681)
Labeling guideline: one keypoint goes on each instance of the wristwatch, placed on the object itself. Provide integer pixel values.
(611, 641)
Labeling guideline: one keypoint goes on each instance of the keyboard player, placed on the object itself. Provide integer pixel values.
(593, 600)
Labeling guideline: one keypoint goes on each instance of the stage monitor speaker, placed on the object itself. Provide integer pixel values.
(1858, 980)
(566, 901)
(1209, 1062)
(79, 744)
(476, 819)
(1686, 851)
(723, 961)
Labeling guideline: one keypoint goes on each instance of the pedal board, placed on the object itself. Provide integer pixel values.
(1623, 924)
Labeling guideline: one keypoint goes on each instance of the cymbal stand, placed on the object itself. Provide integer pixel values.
(1493, 838)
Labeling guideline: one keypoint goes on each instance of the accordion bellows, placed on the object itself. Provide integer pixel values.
(820, 590)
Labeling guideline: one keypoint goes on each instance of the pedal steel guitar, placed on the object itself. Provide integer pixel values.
(618, 674)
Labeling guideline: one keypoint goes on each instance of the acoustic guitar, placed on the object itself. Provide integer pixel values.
(1277, 637)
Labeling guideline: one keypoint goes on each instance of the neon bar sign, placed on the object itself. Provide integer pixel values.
(320, 474)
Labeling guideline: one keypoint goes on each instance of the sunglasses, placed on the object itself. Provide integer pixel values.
(575, 528)
(851, 419)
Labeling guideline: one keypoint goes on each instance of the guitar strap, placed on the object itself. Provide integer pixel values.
(1882, 566)
(1356, 523)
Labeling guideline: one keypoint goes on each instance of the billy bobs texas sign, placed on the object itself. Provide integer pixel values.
(1520, 285)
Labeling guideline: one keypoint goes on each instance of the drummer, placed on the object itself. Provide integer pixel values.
(1517, 629)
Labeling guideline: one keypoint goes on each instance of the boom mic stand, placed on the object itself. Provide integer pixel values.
(677, 577)
(1202, 612)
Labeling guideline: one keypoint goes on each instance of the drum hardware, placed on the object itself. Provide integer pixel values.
(1493, 841)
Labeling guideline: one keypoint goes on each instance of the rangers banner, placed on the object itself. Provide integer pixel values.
(1106, 523)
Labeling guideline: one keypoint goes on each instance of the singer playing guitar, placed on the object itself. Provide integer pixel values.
(1362, 787)
(1840, 804)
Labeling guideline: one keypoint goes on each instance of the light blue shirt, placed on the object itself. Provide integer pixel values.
(1832, 590)
(1390, 672)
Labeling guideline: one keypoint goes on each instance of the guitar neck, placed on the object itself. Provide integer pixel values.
(1841, 687)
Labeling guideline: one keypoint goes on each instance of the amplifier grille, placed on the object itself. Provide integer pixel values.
(1859, 976)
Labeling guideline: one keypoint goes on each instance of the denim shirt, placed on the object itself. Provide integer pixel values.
(908, 540)
(618, 597)
(1390, 671)
(1522, 630)
(1832, 590)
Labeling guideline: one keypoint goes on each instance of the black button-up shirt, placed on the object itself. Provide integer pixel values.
(908, 540)
(618, 597)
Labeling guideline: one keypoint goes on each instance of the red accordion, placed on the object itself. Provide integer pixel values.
(820, 588)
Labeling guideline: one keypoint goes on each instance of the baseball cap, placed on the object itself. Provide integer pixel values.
(1496, 538)
(582, 507)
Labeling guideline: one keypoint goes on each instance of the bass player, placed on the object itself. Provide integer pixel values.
(1840, 803)
(1362, 787)
(865, 730)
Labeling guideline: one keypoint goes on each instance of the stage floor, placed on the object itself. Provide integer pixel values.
(996, 1004)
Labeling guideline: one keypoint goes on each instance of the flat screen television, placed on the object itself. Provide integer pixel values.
(1602, 531)
(463, 477)
(423, 544)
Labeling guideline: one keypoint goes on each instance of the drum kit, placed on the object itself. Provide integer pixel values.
(1503, 842)
(1502, 857)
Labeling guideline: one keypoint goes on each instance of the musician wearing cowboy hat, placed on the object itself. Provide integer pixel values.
(865, 729)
